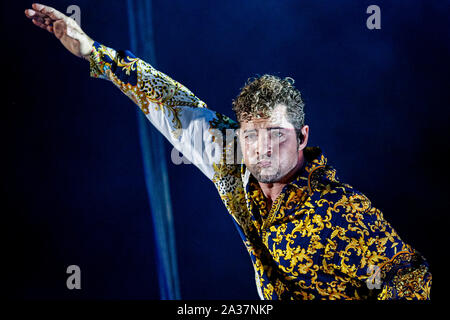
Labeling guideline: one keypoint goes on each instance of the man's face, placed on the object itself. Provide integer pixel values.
(270, 147)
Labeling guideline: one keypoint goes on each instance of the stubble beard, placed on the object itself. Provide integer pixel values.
(257, 172)
(265, 178)
(277, 176)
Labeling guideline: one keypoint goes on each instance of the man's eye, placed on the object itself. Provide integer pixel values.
(277, 134)
(250, 136)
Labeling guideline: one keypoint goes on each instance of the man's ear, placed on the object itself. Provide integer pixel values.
(302, 137)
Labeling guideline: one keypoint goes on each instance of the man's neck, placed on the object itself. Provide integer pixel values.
(271, 191)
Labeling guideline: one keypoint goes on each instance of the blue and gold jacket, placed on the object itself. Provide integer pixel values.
(321, 239)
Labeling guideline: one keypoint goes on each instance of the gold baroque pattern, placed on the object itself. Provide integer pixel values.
(143, 84)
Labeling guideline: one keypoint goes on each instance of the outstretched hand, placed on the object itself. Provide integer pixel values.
(63, 27)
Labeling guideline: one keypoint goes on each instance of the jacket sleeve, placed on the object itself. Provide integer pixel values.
(196, 131)
(369, 250)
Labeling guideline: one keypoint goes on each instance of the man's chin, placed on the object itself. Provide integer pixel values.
(268, 179)
(264, 177)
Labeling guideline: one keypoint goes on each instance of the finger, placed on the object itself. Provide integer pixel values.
(38, 23)
(49, 11)
(40, 20)
(36, 18)
(42, 25)
(32, 14)
(39, 17)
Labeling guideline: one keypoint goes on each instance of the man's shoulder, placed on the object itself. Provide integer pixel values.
(342, 197)
(326, 183)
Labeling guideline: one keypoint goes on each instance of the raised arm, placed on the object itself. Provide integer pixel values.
(175, 111)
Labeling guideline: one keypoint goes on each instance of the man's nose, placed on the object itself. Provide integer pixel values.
(264, 147)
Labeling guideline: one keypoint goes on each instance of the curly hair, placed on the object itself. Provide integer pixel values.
(260, 95)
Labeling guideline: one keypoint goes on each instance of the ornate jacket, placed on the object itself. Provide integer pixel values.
(321, 239)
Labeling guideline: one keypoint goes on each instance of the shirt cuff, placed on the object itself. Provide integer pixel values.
(96, 62)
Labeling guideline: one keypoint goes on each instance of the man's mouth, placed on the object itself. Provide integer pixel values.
(264, 163)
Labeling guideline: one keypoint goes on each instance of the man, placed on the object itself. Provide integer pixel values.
(309, 235)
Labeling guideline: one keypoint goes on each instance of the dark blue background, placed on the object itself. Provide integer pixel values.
(73, 188)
